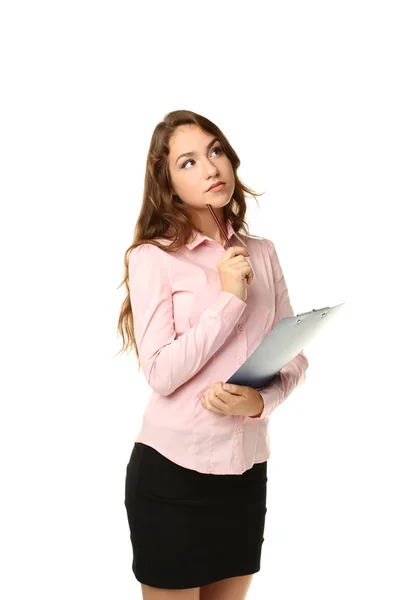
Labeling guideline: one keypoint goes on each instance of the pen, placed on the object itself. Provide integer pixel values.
(220, 227)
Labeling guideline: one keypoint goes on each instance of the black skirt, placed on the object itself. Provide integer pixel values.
(189, 529)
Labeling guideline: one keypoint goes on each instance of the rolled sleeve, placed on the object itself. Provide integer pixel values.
(294, 373)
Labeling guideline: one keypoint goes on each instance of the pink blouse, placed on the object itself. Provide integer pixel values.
(190, 335)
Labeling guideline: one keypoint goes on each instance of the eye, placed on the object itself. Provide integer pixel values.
(213, 150)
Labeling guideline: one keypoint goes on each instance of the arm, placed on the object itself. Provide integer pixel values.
(167, 361)
(294, 373)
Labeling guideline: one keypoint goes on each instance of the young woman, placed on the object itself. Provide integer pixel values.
(195, 309)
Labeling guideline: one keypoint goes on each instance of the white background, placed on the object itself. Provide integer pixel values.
(308, 95)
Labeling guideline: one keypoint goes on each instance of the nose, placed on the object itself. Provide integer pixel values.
(211, 170)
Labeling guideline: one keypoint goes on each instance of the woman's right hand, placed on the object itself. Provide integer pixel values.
(233, 270)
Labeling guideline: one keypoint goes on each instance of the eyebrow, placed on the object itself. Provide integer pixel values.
(194, 153)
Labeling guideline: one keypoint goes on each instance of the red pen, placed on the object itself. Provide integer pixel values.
(220, 227)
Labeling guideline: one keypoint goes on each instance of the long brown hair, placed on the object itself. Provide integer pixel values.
(164, 215)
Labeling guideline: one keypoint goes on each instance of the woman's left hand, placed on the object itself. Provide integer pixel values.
(238, 400)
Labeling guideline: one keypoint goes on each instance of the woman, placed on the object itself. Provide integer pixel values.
(195, 489)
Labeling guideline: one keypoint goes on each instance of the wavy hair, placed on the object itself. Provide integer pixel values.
(164, 215)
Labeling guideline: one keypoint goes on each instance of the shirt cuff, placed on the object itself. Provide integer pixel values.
(272, 394)
(263, 414)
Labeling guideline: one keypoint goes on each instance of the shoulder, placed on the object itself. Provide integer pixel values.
(146, 254)
(254, 241)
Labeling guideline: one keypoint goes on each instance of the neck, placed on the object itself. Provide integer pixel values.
(207, 226)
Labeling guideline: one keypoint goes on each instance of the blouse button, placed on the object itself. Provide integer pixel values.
(240, 327)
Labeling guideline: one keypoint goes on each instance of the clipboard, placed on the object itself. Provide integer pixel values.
(289, 337)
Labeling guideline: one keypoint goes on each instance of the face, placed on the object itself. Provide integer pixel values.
(191, 176)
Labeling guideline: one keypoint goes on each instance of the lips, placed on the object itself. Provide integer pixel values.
(216, 184)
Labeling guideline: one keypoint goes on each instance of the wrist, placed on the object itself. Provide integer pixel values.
(261, 408)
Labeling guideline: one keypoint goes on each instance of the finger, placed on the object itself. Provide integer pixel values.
(233, 388)
(220, 392)
(215, 404)
(220, 398)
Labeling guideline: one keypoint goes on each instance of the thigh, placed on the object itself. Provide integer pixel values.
(153, 593)
(234, 588)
